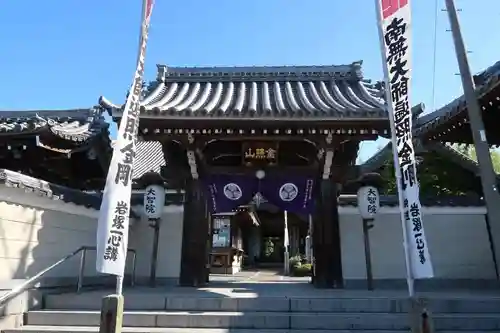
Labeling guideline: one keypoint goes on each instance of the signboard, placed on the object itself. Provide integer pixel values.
(113, 222)
(154, 200)
(221, 232)
(368, 201)
(394, 18)
(260, 151)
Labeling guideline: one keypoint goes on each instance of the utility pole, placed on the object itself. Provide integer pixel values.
(488, 176)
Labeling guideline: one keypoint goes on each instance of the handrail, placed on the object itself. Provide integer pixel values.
(83, 250)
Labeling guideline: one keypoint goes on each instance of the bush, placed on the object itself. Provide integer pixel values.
(294, 262)
(302, 270)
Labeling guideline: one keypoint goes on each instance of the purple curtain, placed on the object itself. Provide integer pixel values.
(227, 192)
(290, 193)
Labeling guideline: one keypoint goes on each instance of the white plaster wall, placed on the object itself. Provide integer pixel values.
(458, 244)
(33, 237)
(170, 244)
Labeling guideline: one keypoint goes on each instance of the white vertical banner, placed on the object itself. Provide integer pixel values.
(286, 235)
(286, 243)
(394, 20)
(113, 223)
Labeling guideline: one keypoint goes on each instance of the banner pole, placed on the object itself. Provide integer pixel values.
(113, 221)
(119, 285)
(399, 179)
(395, 28)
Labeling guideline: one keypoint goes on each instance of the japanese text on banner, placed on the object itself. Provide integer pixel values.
(112, 229)
(395, 22)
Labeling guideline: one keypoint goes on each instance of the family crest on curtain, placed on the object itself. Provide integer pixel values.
(227, 192)
(288, 192)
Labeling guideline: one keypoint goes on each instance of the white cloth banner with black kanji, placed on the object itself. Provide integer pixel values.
(395, 26)
(113, 223)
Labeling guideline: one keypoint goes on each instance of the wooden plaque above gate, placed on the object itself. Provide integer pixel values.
(260, 152)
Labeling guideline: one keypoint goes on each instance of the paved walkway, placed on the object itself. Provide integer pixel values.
(289, 290)
(259, 275)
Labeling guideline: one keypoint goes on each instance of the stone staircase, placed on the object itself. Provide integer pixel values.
(150, 311)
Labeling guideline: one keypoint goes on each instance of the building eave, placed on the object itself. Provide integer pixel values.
(486, 81)
(384, 156)
(24, 190)
(75, 125)
(271, 93)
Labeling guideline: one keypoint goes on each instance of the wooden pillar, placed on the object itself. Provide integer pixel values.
(327, 254)
(208, 246)
(326, 238)
(195, 226)
(194, 237)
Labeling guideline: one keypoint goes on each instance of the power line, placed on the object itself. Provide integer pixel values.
(434, 61)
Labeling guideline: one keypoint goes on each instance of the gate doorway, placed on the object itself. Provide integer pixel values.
(266, 243)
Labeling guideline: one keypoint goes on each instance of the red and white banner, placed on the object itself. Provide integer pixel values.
(113, 223)
(394, 20)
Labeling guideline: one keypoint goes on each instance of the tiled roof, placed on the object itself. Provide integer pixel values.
(385, 154)
(485, 82)
(77, 125)
(149, 158)
(455, 156)
(329, 92)
(52, 191)
(382, 156)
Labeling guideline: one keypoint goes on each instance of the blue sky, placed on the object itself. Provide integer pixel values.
(65, 54)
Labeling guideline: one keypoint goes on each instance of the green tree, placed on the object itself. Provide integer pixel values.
(470, 152)
(437, 175)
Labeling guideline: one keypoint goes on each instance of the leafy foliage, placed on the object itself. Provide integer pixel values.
(298, 266)
(302, 270)
(437, 175)
(470, 152)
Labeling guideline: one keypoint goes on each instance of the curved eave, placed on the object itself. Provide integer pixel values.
(384, 155)
(79, 126)
(381, 156)
(455, 156)
(53, 192)
(42, 188)
(377, 160)
(486, 82)
(294, 100)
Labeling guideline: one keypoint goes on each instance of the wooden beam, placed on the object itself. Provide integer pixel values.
(236, 137)
(270, 170)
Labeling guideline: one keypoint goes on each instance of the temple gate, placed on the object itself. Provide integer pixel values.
(290, 134)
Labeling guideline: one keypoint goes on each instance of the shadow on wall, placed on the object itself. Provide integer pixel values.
(33, 239)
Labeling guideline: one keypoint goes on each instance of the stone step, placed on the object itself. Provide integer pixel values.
(95, 329)
(267, 320)
(148, 301)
